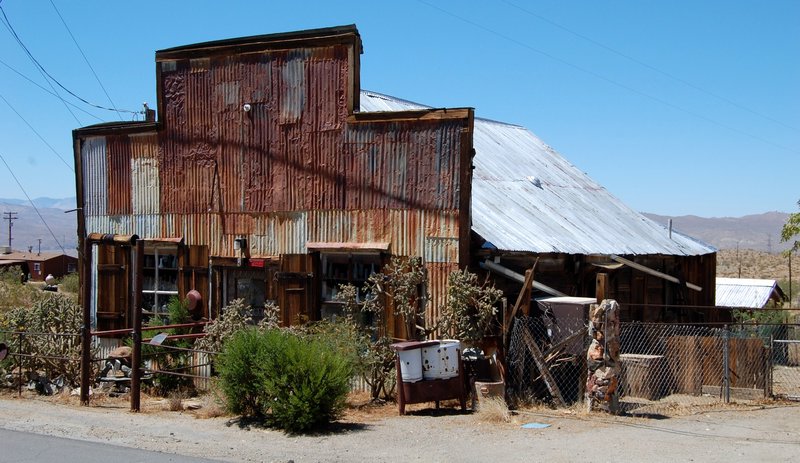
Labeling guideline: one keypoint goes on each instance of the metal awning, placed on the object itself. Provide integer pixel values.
(338, 246)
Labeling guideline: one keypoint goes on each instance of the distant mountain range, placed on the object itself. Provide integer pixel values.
(760, 232)
(51, 203)
(28, 227)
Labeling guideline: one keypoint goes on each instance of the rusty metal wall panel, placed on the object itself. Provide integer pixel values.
(437, 289)
(293, 86)
(403, 165)
(118, 152)
(95, 177)
(293, 151)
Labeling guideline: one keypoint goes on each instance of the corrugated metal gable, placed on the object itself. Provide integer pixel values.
(744, 292)
(527, 197)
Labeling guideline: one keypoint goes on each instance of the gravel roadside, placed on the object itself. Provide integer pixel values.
(752, 434)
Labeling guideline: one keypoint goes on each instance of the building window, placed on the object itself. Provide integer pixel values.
(72, 268)
(37, 268)
(345, 268)
(250, 286)
(159, 278)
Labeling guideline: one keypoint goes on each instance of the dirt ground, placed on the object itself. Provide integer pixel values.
(766, 432)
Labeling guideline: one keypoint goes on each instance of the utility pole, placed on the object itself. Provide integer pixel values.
(11, 217)
(40, 248)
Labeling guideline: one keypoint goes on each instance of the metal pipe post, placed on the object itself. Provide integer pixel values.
(86, 329)
(726, 376)
(19, 363)
(136, 355)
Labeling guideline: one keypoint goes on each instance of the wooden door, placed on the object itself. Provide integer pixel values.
(295, 282)
(113, 286)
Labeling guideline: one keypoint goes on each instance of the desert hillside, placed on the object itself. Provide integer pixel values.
(756, 264)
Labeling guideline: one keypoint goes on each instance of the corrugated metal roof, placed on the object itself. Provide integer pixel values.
(746, 292)
(527, 197)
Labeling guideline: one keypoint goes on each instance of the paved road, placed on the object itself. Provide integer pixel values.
(24, 447)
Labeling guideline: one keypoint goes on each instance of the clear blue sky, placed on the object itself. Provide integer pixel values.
(676, 107)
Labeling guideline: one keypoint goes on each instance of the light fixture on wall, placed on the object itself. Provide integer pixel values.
(239, 245)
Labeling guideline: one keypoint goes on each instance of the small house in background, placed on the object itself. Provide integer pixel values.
(37, 265)
(749, 293)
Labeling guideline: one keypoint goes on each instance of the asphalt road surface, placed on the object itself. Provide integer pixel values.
(24, 447)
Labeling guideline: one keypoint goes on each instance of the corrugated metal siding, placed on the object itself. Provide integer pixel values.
(119, 172)
(437, 289)
(527, 197)
(744, 292)
(95, 175)
(280, 233)
(398, 165)
(145, 185)
(302, 174)
(283, 148)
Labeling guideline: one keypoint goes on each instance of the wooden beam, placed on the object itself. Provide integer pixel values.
(556, 348)
(656, 273)
(497, 268)
(524, 295)
(549, 380)
(601, 287)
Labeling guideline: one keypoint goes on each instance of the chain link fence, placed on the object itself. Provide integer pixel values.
(663, 368)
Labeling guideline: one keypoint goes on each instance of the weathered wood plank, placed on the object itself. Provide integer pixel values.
(538, 358)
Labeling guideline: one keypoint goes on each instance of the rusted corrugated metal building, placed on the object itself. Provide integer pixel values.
(271, 176)
(259, 180)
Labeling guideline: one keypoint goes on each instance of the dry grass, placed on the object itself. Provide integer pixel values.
(493, 410)
(754, 264)
(175, 401)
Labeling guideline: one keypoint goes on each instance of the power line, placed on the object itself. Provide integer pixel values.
(2, 158)
(36, 132)
(49, 77)
(609, 80)
(48, 91)
(648, 66)
(86, 59)
(41, 70)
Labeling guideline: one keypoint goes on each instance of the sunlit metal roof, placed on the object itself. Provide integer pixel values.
(746, 292)
(527, 197)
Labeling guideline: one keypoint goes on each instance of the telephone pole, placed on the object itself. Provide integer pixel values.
(11, 217)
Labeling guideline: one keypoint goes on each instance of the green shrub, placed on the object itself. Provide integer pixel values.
(242, 365)
(296, 381)
(70, 283)
(310, 384)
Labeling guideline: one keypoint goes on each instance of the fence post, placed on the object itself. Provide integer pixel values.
(726, 375)
(86, 328)
(769, 367)
(19, 363)
(136, 354)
